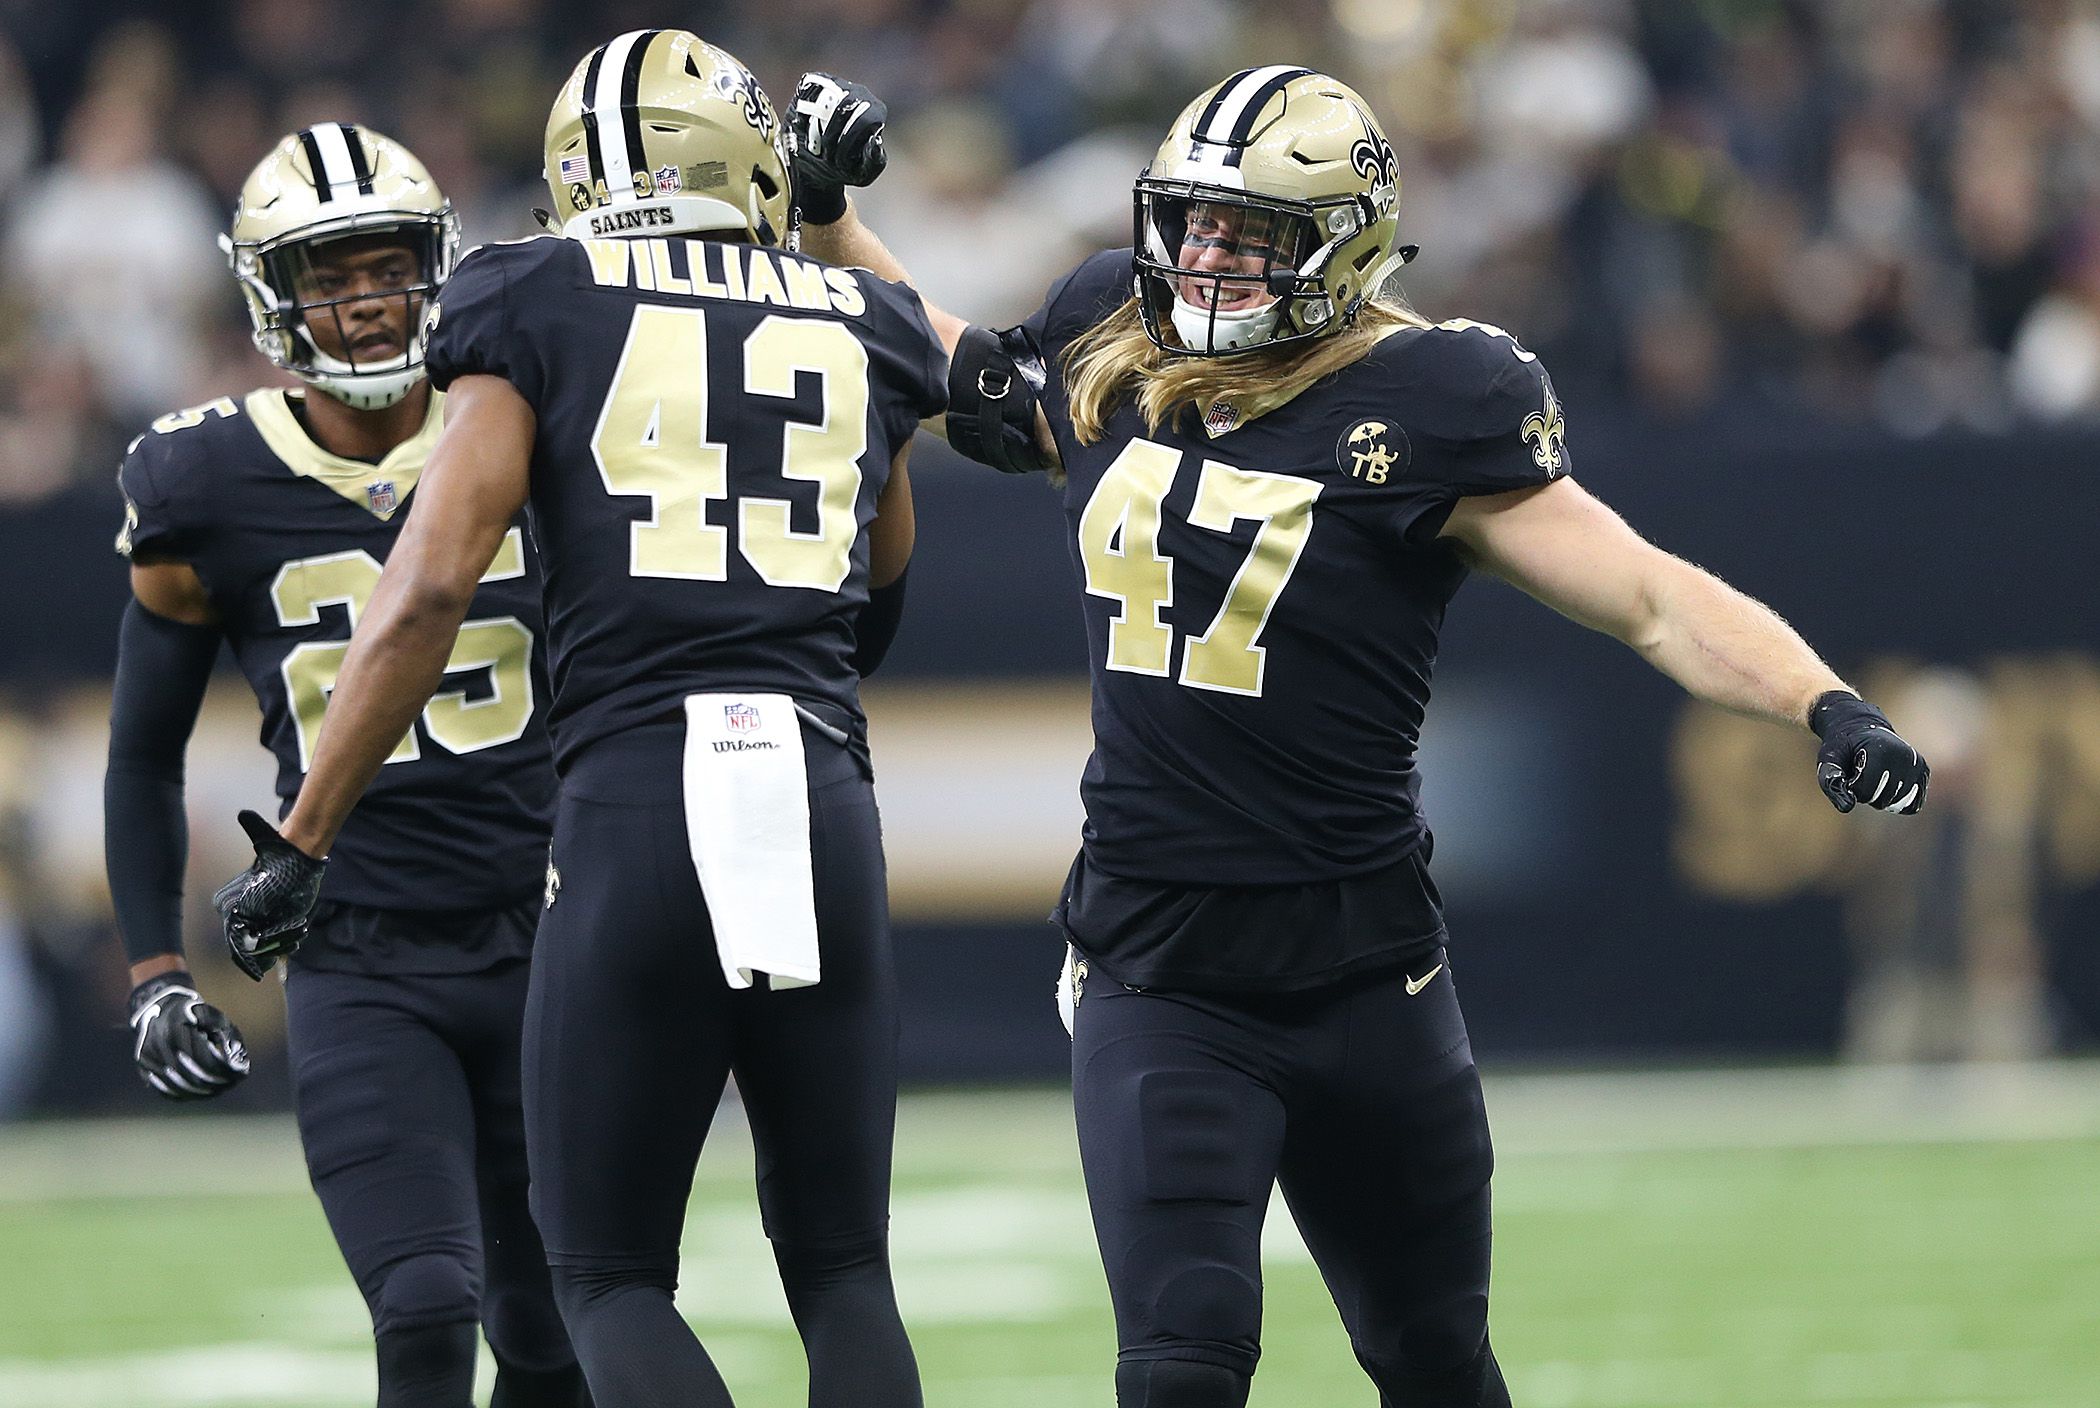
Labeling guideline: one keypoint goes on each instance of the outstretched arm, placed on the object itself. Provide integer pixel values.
(1564, 547)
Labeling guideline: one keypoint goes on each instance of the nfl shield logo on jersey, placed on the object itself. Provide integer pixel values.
(739, 718)
(380, 495)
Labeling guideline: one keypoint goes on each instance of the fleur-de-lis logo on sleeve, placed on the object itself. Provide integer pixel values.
(1547, 435)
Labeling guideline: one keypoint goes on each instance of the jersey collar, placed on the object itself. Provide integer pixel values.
(1223, 416)
(380, 489)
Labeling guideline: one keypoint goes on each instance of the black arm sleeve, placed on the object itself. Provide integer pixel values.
(877, 625)
(163, 667)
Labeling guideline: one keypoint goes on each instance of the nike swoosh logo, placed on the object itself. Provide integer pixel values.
(1415, 985)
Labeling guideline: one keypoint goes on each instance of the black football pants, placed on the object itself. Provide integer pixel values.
(631, 1033)
(1362, 1100)
(408, 1097)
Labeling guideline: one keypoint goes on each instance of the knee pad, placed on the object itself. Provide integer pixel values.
(525, 1331)
(432, 1289)
(580, 1290)
(807, 1266)
(1179, 1383)
(1472, 1382)
(538, 1388)
(431, 1366)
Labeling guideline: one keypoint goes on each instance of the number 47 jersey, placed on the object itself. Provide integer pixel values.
(715, 424)
(1264, 593)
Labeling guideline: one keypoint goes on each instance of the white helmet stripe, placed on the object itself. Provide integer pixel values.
(328, 146)
(1230, 110)
(603, 105)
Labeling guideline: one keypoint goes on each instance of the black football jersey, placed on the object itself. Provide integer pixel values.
(715, 424)
(289, 540)
(1263, 594)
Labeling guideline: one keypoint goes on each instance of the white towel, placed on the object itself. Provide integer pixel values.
(747, 820)
(1070, 977)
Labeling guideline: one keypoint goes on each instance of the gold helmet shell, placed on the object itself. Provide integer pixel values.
(1294, 156)
(328, 182)
(661, 133)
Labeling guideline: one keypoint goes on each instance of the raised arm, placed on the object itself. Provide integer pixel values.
(994, 416)
(1559, 544)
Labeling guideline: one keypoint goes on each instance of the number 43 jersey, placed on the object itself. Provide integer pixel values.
(1264, 592)
(289, 541)
(715, 423)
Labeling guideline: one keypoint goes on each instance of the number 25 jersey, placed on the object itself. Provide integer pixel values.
(715, 422)
(289, 541)
(1263, 594)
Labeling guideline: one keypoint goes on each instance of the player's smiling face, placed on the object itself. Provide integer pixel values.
(361, 298)
(1228, 239)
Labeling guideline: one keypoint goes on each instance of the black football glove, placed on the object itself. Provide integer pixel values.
(183, 1046)
(837, 126)
(1863, 759)
(267, 906)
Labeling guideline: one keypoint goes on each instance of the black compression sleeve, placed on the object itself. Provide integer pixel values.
(163, 667)
(877, 625)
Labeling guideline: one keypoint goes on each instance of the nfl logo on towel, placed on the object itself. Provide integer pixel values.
(576, 169)
(739, 718)
(380, 495)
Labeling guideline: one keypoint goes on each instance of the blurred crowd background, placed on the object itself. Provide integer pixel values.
(1718, 221)
(1884, 209)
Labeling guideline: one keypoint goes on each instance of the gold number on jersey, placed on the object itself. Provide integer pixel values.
(1119, 548)
(500, 645)
(1227, 656)
(221, 406)
(827, 453)
(651, 442)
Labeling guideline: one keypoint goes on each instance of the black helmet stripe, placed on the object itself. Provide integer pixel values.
(611, 108)
(324, 189)
(1230, 115)
(590, 118)
(359, 167)
(631, 101)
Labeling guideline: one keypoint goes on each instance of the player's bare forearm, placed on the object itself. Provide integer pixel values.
(849, 243)
(396, 661)
(1565, 548)
(468, 495)
(1727, 648)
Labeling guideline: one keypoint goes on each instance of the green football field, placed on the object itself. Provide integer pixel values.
(1928, 1239)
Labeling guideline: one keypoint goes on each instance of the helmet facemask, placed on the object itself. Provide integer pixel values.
(1268, 216)
(1231, 271)
(288, 296)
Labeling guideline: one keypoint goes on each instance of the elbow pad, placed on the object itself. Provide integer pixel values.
(995, 384)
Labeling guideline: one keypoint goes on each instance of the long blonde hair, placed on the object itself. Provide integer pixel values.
(1116, 356)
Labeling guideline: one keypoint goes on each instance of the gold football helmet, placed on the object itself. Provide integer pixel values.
(1267, 216)
(661, 133)
(337, 181)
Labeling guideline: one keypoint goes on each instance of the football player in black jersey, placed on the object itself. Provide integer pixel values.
(710, 431)
(264, 522)
(1276, 477)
